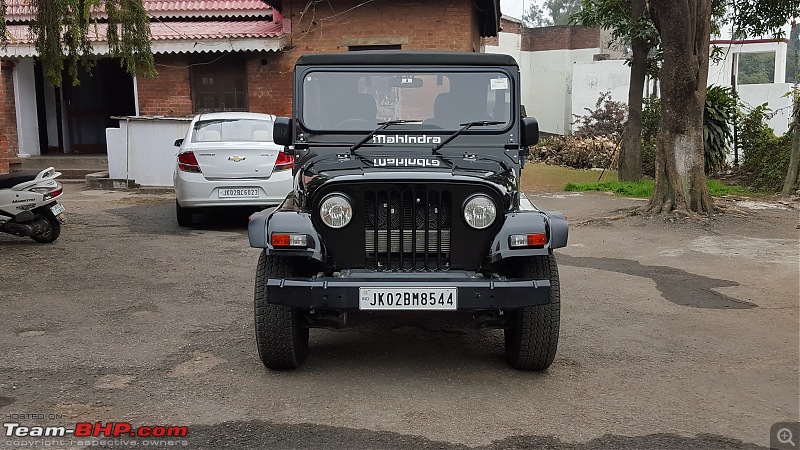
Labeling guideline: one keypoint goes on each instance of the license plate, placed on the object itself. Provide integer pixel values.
(238, 193)
(408, 299)
(57, 209)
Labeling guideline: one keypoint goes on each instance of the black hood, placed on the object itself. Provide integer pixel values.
(406, 165)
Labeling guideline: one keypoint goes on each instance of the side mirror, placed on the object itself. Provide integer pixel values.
(530, 132)
(178, 142)
(282, 131)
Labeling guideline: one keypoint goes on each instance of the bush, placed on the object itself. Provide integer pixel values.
(766, 156)
(651, 114)
(720, 111)
(607, 119)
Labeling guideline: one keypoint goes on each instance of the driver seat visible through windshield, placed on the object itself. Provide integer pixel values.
(447, 109)
(359, 112)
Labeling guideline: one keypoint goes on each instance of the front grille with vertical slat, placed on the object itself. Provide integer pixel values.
(408, 229)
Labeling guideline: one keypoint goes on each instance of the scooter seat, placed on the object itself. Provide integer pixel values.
(13, 179)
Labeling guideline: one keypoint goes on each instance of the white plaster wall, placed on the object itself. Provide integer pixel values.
(559, 83)
(773, 94)
(25, 103)
(547, 86)
(117, 150)
(590, 79)
(142, 149)
(546, 79)
(720, 72)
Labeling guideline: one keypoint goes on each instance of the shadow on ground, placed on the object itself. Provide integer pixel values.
(307, 436)
(676, 285)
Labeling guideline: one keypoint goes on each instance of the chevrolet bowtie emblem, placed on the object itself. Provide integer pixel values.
(236, 158)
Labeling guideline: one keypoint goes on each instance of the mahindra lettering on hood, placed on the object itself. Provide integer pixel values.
(406, 139)
(406, 201)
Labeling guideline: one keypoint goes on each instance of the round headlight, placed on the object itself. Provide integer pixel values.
(336, 211)
(480, 212)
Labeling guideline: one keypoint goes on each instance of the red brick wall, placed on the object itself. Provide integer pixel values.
(168, 94)
(8, 117)
(444, 25)
(506, 26)
(559, 38)
(332, 27)
(267, 78)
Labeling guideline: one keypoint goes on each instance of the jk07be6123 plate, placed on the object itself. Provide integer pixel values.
(408, 299)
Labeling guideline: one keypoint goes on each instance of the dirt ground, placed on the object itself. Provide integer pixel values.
(674, 335)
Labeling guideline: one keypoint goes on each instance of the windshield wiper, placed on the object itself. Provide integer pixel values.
(383, 126)
(465, 127)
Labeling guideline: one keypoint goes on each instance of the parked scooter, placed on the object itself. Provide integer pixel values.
(29, 206)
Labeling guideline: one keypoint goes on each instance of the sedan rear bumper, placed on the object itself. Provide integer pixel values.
(192, 190)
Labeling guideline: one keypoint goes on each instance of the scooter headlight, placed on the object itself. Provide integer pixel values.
(480, 211)
(336, 211)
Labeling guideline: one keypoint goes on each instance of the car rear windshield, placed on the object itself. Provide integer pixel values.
(232, 130)
(441, 100)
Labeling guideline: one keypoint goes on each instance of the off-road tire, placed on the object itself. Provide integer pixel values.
(532, 340)
(282, 341)
(185, 216)
(53, 228)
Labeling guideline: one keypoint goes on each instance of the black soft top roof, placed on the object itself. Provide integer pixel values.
(394, 57)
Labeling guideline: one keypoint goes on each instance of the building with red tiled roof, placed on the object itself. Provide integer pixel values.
(211, 55)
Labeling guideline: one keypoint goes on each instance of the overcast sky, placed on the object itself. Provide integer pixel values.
(513, 8)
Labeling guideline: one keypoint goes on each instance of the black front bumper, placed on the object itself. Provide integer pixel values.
(342, 293)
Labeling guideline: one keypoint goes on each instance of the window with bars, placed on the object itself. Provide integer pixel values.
(219, 84)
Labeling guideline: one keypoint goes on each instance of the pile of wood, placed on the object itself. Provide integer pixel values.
(575, 152)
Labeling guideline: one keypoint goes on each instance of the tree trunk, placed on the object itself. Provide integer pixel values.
(790, 185)
(680, 184)
(630, 159)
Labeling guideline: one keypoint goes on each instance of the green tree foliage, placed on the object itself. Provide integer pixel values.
(793, 56)
(62, 31)
(615, 15)
(756, 17)
(766, 156)
(552, 12)
(756, 68)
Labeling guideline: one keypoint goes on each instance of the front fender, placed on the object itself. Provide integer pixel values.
(552, 223)
(275, 220)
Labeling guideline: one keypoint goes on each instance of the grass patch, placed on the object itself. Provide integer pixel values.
(644, 188)
(718, 188)
(546, 178)
(639, 189)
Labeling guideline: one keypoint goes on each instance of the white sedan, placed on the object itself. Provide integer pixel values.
(229, 159)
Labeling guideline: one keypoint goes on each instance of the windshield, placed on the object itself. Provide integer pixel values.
(232, 130)
(442, 100)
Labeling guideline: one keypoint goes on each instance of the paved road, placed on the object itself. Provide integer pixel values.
(674, 335)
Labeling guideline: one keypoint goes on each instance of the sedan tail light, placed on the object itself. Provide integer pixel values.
(284, 162)
(187, 162)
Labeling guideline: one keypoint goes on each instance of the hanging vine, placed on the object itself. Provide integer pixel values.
(63, 32)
